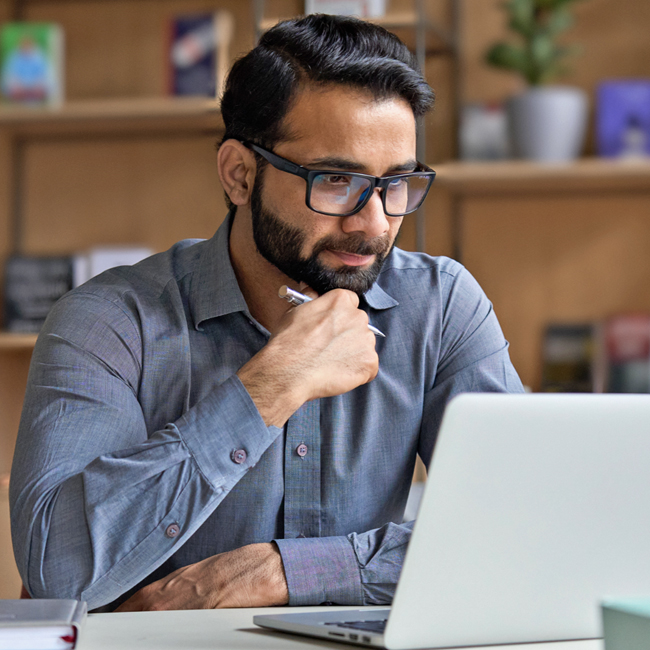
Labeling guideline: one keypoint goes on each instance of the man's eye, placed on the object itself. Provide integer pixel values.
(336, 179)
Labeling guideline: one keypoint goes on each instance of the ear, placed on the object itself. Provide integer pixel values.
(237, 169)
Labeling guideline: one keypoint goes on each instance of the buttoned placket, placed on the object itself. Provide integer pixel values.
(302, 473)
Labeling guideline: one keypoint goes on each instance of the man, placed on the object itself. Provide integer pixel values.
(190, 440)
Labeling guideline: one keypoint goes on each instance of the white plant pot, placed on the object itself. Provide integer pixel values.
(548, 124)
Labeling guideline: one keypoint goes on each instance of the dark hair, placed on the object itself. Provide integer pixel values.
(317, 49)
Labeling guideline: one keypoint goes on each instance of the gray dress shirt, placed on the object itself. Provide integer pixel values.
(140, 451)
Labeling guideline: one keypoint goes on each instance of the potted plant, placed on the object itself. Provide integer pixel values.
(546, 122)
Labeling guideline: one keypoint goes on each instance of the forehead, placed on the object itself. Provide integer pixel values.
(343, 122)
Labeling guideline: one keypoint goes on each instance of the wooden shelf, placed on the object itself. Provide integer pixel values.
(391, 21)
(115, 115)
(591, 174)
(11, 341)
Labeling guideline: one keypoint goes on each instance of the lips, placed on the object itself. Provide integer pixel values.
(350, 259)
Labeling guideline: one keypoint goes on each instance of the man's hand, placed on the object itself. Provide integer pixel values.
(322, 348)
(251, 576)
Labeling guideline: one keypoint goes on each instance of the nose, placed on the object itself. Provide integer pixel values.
(370, 220)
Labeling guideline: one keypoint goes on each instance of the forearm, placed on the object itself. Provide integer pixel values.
(93, 529)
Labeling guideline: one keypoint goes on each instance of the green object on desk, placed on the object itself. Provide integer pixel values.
(626, 623)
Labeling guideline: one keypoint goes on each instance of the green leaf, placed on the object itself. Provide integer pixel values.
(542, 50)
(561, 3)
(538, 23)
(522, 16)
(559, 21)
(508, 57)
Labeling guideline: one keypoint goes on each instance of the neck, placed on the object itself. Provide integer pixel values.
(258, 279)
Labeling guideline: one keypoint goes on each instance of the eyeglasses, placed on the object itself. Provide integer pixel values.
(342, 194)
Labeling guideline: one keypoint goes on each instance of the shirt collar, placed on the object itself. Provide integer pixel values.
(215, 291)
(377, 298)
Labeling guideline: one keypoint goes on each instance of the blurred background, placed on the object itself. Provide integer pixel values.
(109, 118)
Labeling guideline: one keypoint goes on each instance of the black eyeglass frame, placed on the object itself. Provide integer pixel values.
(284, 165)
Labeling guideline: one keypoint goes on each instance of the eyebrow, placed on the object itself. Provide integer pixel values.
(351, 166)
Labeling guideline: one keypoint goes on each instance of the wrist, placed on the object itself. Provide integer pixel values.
(276, 391)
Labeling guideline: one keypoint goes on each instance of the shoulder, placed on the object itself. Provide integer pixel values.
(147, 280)
(435, 275)
(125, 296)
(150, 277)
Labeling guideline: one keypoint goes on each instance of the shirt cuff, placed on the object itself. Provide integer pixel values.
(321, 570)
(224, 423)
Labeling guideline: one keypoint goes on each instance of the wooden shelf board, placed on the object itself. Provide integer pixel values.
(520, 175)
(115, 114)
(393, 21)
(11, 341)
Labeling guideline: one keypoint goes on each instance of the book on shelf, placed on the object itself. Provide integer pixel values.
(360, 8)
(569, 359)
(612, 355)
(43, 624)
(483, 132)
(34, 283)
(623, 118)
(31, 63)
(31, 287)
(101, 258)
(199, 46)
(626, 345)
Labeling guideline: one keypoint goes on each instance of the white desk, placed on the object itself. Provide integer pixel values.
(225, 629)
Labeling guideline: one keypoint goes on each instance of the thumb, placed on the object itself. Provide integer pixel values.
(303, 287)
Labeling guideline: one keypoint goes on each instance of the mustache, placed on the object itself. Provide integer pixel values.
(355, 244)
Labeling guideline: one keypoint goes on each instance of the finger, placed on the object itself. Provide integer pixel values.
(303, 287)
(345, 296)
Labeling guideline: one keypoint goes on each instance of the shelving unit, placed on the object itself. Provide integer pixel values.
(161, 117)
(114, 115)
(9, 341)
(118, 163)
(549, 243)
(523, 175)
(122, 163)
(463, 180)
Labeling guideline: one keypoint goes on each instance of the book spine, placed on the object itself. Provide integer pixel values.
(32, 286)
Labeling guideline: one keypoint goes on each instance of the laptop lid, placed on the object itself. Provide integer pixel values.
(536, 507)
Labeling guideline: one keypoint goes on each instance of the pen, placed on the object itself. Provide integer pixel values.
(297, 298)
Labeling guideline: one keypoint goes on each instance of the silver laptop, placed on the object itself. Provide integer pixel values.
(536, 508)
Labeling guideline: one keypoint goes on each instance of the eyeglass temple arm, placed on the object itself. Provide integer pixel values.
(287, 166)
(278, 162)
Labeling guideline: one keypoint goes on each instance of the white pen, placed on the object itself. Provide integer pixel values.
(297, 298)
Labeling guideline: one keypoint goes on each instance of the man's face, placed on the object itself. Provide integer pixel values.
(333, 129)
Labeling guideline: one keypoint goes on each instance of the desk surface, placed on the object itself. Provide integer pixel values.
(225, 629)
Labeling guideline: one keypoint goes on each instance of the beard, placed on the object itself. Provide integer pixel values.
(281, 245)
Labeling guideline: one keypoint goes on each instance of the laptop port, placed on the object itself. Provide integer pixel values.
(337, 634)
(366, 639)
(354, 637)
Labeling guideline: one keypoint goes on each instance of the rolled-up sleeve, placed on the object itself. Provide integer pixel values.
(358, 569)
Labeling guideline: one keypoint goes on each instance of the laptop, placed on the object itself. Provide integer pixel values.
(536, 508)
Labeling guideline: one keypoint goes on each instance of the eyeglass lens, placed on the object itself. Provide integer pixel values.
(342, 193)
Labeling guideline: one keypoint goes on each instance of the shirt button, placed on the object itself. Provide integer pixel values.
(302, 450)
(172, 530)
(238, 456)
